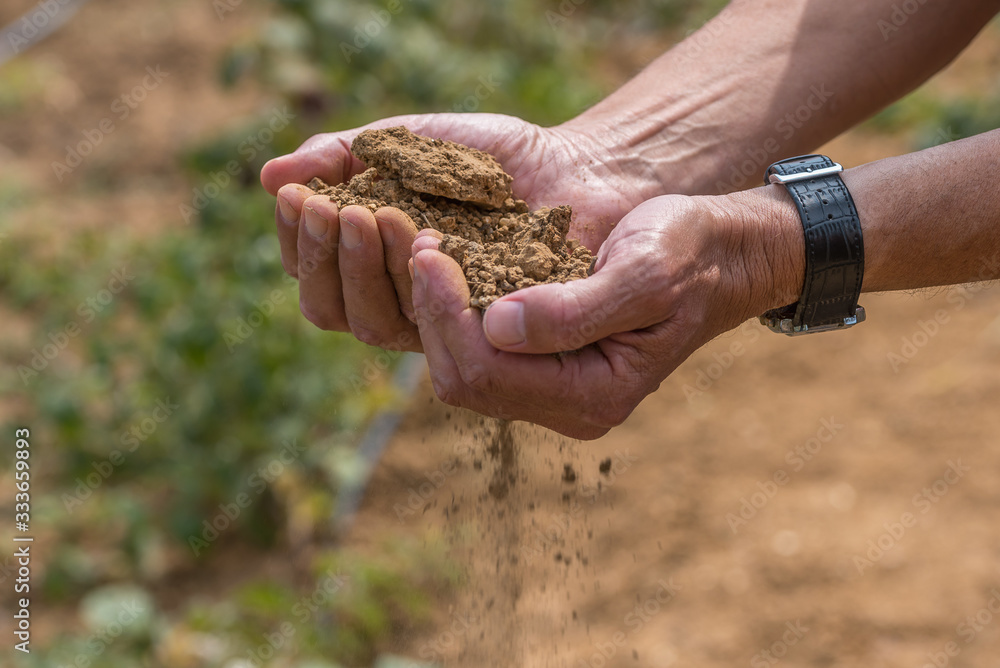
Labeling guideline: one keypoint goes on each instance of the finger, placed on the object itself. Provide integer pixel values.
(287, 212)
(327, 156)
(554, 384)
(397, 231)
(321, 297)
(451, 388)
(560, 317)
(370, 299)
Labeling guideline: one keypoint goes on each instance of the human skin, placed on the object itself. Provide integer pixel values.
(678, 271)
(698, 121)
(728, 92)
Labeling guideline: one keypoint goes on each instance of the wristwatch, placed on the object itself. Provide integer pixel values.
(835, 251)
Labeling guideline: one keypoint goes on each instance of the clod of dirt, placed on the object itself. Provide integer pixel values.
(605, 466)
(569, 475)
(435, 166)
(464, 194)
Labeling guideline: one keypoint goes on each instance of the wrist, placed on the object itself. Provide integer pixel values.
(767, 247)
(653, 148)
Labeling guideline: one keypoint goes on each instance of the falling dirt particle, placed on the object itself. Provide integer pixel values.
(463, 193)
(569, 475)
(635, 655)
(605, 466)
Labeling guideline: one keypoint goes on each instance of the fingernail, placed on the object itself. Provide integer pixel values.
(316, 224)
(287, 211)
(409, 265)
(387, 231)
(417, 274)
(350, 234)
(504, 323)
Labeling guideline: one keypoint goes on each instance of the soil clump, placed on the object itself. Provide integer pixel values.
(465, 194)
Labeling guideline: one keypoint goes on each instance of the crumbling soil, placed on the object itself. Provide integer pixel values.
(464, 194)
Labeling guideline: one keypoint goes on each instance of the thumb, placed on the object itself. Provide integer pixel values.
(567, 316)
(327, 156)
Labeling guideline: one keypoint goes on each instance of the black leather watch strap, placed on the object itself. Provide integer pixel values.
(835, 254)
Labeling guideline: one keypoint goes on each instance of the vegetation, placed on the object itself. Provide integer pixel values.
(183, 406)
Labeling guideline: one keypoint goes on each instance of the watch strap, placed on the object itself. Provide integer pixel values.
(834, 266)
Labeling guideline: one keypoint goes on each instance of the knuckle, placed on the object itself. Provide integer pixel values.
(369, 335)
(322, 318)
(356, 272)
(612, 413)
(569, 324)
(480, 378)
(447, 391)
(587, 432)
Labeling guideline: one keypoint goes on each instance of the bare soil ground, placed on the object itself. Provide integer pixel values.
(826, 501)
(873, 552)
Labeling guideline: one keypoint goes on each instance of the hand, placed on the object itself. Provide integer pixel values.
(352, 265)
(676, 272)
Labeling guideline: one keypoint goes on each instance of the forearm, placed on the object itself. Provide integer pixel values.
(928, 219)
(771, 78)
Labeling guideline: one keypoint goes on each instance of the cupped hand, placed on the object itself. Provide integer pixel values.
(352, 264)
(675, 272)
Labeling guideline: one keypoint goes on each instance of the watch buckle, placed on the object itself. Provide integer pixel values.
(785, 325)
(785, 179)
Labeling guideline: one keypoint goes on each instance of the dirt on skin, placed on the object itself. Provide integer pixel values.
(464, 194)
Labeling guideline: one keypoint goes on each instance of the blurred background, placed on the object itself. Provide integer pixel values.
(191, 432)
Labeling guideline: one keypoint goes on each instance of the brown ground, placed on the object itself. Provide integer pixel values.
(864, 464)
(681, 470)
(465, 194)
(679, 465)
